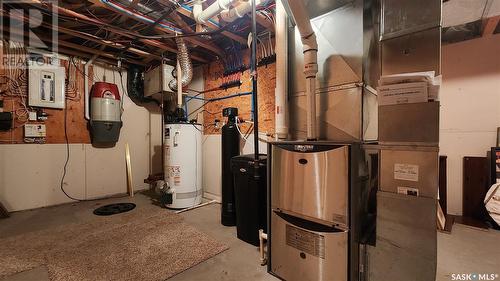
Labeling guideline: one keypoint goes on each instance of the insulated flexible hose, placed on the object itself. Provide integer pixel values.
(186, 65)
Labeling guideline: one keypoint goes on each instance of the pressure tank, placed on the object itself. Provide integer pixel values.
(230, 148)
(183, 166)
(105, 116)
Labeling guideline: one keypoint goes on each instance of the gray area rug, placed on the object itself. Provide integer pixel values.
(138, 245)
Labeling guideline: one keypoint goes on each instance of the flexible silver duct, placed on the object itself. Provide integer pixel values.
(186, 65)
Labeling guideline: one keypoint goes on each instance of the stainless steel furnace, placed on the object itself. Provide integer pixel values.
(315, 195)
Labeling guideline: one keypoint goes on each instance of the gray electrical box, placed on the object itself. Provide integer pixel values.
(46, 87)
(156, 80)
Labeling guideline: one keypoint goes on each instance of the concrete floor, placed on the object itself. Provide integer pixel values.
(466, 250)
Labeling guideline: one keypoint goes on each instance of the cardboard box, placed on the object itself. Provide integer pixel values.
(403, 93)
(412, 171)
(410, 124)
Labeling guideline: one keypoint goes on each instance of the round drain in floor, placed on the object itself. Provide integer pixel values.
(113, 209)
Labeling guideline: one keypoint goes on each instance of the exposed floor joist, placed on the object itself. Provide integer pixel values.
(226, 33)
(89, 37)
(194, 41)
(86, 19)
(113, 24)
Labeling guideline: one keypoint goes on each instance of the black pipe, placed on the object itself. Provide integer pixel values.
(253, 70)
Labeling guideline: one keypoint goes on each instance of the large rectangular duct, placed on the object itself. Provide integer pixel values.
(341, 47)
(400, 17)
(406, 237)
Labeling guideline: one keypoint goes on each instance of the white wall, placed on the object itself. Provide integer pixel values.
(212, 162)
(30, 174)
(470, 106)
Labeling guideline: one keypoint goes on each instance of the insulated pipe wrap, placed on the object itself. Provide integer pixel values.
(185, 63)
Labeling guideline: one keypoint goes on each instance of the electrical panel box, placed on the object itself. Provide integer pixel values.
(35, 131)
(46, 86)
(156, 80)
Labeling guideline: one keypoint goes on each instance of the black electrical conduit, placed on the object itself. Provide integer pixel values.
(214, 99)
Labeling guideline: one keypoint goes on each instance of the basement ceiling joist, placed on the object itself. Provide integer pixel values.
(121, 29)
(72, 33)
(209, 46)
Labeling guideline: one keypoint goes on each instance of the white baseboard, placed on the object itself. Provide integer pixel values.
(211, 196)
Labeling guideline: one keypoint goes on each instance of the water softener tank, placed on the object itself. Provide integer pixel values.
(183, 164)
(105, 116)
(230, 148)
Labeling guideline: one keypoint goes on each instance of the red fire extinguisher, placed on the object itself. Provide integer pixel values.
(105, 113)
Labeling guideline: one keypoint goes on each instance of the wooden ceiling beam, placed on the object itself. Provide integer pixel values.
(77, 48)
(261, 20)
(264, 22)
(106, 42)
(72, 33)
(72, 52)
(150, 42)
(226, 33)
(192, 40)
(178, 19)
(132, 6)
(96, 51)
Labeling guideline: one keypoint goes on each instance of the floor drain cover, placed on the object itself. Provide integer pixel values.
(114, 209)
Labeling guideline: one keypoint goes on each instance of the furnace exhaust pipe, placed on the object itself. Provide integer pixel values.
(281, 91)
(310, 50)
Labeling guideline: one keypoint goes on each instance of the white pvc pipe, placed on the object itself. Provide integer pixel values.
(197, 9)
(262, 237)
(238, 11)
(310, 48)
(281, 90)
(216, 8)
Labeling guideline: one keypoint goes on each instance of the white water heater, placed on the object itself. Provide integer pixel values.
(182, 167)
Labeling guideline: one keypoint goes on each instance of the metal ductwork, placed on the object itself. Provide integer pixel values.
(185, 64)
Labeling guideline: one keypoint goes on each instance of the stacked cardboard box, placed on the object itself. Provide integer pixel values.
(409, 133)
(409, 109)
